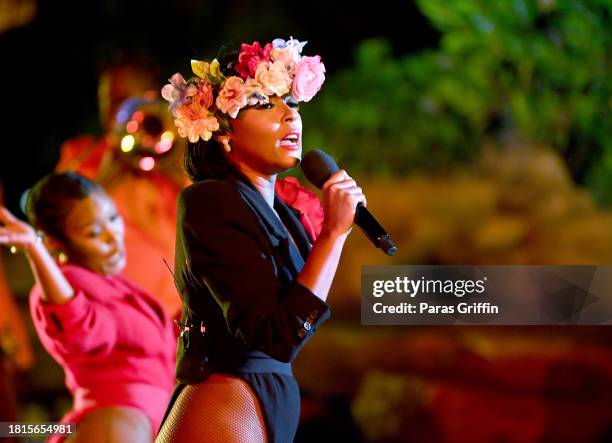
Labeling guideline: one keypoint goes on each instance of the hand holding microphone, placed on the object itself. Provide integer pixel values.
(343, 200)
(341, 195)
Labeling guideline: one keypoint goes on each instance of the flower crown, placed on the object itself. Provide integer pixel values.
(202, 104)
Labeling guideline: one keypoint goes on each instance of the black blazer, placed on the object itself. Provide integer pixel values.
(235, 268)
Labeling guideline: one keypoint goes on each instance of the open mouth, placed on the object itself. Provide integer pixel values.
(291, 141)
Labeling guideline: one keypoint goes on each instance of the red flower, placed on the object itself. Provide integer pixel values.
(251, 56)
(306, 202)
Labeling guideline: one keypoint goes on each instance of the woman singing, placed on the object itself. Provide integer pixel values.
(253, 282)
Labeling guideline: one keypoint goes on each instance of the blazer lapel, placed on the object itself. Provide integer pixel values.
(272, 226)
(293, 224)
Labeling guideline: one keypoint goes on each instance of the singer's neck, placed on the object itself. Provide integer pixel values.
(263, 183)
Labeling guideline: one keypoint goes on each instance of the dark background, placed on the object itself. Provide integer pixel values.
(50, 66)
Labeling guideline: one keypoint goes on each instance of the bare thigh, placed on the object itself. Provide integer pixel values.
(223, 409)
(113, 425)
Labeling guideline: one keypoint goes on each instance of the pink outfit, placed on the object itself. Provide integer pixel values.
(115, 342)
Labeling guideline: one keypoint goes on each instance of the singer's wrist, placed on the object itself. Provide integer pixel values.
(333, 235)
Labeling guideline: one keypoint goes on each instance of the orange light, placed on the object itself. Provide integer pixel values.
(138, 116)
(147, 141)
(147, 163)
(132, 126)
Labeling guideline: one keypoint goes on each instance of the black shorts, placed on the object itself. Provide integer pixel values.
(279, 398)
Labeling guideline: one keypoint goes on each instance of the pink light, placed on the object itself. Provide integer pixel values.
(163, 146)
(132, 126)
(146, 163)
(138, 116)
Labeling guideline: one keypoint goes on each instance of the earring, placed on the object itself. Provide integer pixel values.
(226, 145)
(62, 258)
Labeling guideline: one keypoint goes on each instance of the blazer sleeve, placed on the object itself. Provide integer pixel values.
(223, 255)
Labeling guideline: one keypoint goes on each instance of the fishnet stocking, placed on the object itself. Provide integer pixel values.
(223, 409)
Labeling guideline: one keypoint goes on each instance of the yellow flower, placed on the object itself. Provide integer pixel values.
(214, 69)
(200, 68)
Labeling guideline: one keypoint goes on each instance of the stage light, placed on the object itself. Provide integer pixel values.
(127, 143)
(147, 163)
(132, 126)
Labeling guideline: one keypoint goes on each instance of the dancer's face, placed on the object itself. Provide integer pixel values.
(94, 235)
(268, 138)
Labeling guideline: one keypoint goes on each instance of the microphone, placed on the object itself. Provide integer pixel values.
(318, 166)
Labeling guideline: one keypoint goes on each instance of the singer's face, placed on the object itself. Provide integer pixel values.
(268, 138)
(94, 235)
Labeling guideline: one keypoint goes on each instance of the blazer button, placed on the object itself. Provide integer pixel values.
(264, 256)
(307, 326)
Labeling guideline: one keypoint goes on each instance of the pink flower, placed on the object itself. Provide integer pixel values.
(254, 92)
(177, 91)
(231, 97)
(309, 75)
(274, 78)
(287, 51)
(289, 55)
(306, 202)
(250, 57)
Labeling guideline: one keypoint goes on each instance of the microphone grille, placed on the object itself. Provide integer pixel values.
(318, 166)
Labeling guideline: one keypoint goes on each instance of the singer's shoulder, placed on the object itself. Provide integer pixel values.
(211, 194)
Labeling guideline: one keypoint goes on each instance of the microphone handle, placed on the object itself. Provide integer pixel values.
(373, 230)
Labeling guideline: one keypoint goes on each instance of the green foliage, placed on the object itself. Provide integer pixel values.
(539, 69)
(378, 115)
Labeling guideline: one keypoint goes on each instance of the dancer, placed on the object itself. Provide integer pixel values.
(114, 341)
(146, 199)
